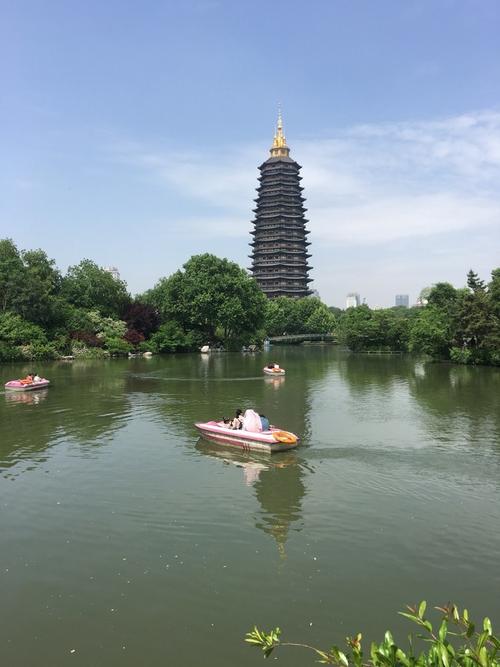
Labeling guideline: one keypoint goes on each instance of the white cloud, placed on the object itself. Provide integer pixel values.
(368, 184)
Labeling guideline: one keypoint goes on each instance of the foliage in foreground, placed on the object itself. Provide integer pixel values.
(455, 642)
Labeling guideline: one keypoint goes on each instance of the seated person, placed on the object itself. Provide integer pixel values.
(28, 379)
(251, 421)
(37, 378)
(265, 422)
(237, 422)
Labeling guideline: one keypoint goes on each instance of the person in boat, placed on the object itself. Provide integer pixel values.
(237, 422)
(28, 379)
(265, 422)
(37, 378)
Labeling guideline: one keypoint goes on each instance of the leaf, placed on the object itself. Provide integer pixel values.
(470, 629)
(443, 630)
(487, 626)
(421, 609)
(444, 656)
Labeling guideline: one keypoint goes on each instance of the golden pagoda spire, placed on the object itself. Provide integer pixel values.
(279, 147)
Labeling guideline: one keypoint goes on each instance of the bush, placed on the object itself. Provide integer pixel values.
(170, 337)
(37, 351)
(461, 355)
(81, 351)
(17, 331)
(463, 646)
(118, 347)
(9, 352)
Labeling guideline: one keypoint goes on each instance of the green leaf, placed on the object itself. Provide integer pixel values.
(444, 656)
(443, 630)
(388, 638)
(487, 626)
(421, 609)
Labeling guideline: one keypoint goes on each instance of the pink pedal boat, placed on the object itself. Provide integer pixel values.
(17, 385)
(272, 441)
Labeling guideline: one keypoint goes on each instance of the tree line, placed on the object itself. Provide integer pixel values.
(88, 313)
(459, 325)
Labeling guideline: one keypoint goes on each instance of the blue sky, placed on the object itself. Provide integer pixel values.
(131, 133)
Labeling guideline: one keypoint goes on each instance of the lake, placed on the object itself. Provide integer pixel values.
(127, 541)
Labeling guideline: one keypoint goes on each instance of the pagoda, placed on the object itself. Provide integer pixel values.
(279, 247)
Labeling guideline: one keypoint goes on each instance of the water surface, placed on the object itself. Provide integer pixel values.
(124, 540)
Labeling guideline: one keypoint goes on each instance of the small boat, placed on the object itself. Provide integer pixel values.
(274, 440)
(17, 385)
(273, 371)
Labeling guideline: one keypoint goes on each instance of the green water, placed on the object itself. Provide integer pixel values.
(127, 541)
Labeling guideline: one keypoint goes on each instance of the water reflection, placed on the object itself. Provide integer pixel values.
(278, 483)
(364, 372)
(84, 404)
(26, 397)
(459, 401)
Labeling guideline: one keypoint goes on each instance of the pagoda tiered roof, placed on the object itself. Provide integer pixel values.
(279, 246)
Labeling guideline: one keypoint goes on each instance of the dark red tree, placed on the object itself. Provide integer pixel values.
(142, 318)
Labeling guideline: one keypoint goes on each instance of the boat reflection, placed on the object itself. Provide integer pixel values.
(278, 484)
(252, 464)
(275, 382)
(27, 397)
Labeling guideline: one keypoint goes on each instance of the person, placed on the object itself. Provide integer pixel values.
(251, 421)
(237, 422)
(265, 422)
(37, 378)
(28, 379)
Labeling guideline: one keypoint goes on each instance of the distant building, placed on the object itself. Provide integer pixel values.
(402, 300)
(352, 300)
(113, 270)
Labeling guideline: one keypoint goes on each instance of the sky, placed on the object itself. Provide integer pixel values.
(131, 134)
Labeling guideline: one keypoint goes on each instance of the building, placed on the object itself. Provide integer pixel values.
(279, 246)
(402, 300)
(352, 300)
(113, 270)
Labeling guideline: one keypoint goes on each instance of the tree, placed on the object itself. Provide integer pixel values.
(11, 275)
(358, 330)
(90, 287)
(473, 281)
(142, 317)
(38, 299)
(430, 333)
(211, 296)
(442, 295)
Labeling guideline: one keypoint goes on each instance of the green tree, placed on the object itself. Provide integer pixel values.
(358, 329)
(170, 337)
(473, 281)
(210, 296)
(430, 333)
(88, 286)
(11, 275)
(38, 300)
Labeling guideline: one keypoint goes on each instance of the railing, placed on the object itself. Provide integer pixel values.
(296, 339)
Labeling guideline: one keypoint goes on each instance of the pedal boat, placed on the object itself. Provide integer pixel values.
(272, 441)
(17, 385)
(273, 371)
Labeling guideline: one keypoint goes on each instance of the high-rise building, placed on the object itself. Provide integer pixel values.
(279, 246)
(352, 300)
(114, 271)
(402, 300)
